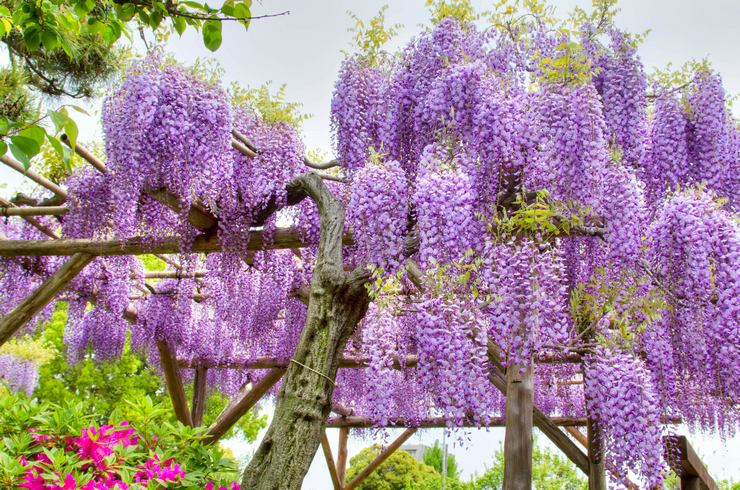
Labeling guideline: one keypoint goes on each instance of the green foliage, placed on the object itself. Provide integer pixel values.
(461, 10)
(102, 389)
(433, 457)
(271, 106)
(370, 37)
(399, 472)
(157, 439)
(71, 48)
(550, 471)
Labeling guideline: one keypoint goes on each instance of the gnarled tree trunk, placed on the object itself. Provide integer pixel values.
(338, 301)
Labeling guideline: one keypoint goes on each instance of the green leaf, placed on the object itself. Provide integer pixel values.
(35, 133)
(59, 118)
(179, 24)
(78, 109)
(3, 147)
(212, 34)
(71, 131)
(4, 11)
(126, 11)
(18, 146)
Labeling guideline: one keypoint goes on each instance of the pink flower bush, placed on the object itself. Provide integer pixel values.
(103, 458)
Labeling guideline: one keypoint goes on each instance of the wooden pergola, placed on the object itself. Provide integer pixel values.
(515, 384)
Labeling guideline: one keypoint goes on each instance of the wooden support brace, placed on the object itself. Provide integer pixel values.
(174, 382)
(380, 459)
(342, 454)
(42, 296)
(245, 400)
(326, 448)
(199, 395)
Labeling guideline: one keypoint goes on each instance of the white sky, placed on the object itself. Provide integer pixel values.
(303, 51)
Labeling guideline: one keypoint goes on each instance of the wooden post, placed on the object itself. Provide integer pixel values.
(174, 383)
(518, 439)
(497, 378)
(380, 459)
(246, 399)
(330, 462)
(199, 395)
(342, 454)
(42, 296)
(596, 467)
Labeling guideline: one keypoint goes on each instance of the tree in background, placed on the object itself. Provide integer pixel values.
(399, 472)
(433, 457)
(550, 471)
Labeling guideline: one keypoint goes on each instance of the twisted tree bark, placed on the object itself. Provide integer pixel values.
(337, 302)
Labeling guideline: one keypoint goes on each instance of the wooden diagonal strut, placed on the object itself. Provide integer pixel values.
(326, 448)
(174, 382)
(42, 296)
(380, 459)
(245, 400)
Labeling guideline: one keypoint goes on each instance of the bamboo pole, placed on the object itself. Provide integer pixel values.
(39, 179)
(33, 211)
(42, 296)
(33, 222)
(246, 399)
(86, 155)
(174, 382)
(380, 459)
(199, 395)
(326, 448)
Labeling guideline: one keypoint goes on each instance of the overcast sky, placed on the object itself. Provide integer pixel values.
(303, 51)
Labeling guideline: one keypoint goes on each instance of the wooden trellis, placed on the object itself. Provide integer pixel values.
(514, 383)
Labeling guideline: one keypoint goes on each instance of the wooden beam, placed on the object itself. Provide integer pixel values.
(33, 211)
(198, 215)
(174, 382)
(199, 395)
(518, 438)
(246, 141)
(42, 296)
(347, 362)
(247, 398)
(359, 422)
(178, 274)
(326, 448)
(379, 459)
(39, 179)
(577, 435)
(283, 239)
(687, 464)
(342, 454)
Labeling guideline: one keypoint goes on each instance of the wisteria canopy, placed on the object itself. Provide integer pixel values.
(515, 190)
